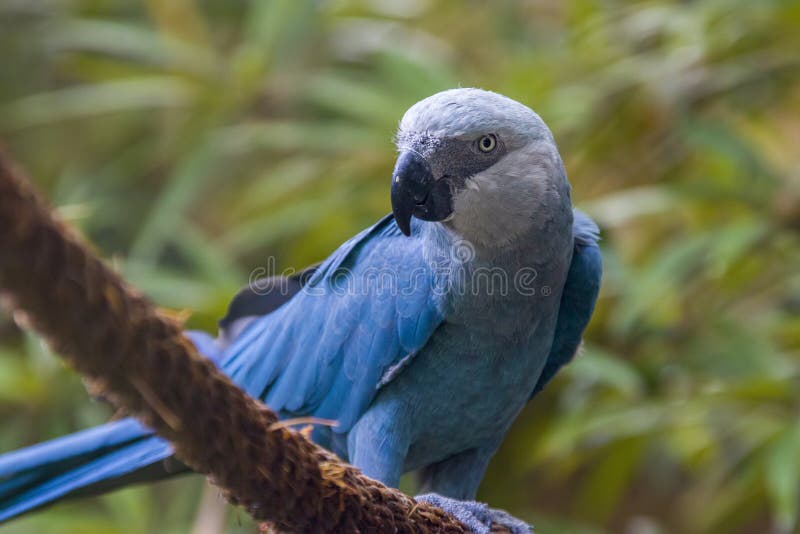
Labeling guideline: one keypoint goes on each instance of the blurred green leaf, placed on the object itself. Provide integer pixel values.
(783, 478)
(193, 141)
(97, 99)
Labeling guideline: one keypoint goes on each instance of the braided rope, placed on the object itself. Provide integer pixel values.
(142, 363)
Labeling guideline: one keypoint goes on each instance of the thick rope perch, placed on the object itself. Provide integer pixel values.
(142, 363)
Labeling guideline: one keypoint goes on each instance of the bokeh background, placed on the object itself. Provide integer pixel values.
(192, 140)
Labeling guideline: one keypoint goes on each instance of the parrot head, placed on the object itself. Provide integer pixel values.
(476, 161)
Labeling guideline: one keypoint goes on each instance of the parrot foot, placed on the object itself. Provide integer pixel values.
(478, 516)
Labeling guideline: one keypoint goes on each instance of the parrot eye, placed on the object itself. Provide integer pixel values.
(487, 143)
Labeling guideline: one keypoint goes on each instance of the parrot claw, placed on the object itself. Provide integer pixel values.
(478, 516)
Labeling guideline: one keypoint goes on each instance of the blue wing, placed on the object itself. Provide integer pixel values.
(323, 349)
(324, 353)
(577, 300)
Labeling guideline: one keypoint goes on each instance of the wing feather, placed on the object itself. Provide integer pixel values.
(325, 351)
(578, 299)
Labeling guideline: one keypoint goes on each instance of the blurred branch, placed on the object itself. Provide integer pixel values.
(211, 513)
(141, 361)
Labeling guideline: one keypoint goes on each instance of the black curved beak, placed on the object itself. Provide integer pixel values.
(416, 192)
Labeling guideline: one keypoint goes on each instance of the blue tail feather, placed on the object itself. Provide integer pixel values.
(86, 462)
(70, 447)
(34, 488)
(44, 473)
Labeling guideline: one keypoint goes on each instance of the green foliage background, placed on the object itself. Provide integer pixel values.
(192, 140)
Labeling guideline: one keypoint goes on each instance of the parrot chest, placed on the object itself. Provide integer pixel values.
(465, 388)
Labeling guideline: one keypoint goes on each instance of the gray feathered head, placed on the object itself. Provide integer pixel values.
(479, 162)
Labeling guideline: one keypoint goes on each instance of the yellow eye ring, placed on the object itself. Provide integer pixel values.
(487, 143)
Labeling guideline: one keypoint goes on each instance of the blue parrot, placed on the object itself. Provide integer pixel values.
(423, 336)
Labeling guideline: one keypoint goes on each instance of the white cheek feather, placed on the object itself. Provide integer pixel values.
(472, 184)
(487, 181)
(502, 202)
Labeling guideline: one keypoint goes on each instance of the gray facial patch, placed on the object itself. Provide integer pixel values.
(452, 158)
